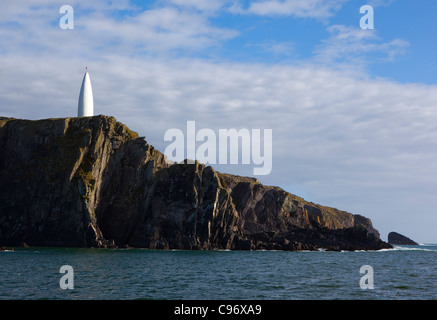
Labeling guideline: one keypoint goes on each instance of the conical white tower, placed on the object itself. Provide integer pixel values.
(86, 101)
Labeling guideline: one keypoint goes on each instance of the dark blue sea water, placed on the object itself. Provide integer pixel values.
(407, 272)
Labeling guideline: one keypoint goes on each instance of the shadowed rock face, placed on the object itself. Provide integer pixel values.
(397, 238)
(91, 182)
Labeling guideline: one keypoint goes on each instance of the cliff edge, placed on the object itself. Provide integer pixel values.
(92, 182)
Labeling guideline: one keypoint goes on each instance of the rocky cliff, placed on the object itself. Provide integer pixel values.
(397, 238)
(92, 182)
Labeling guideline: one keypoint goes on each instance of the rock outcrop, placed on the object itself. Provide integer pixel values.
(397, 238)
(92, 182)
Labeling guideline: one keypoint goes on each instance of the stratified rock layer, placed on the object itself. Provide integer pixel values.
(92, 182)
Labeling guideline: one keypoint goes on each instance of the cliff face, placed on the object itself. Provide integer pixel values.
(55, 175)
(93, 182)
(397, 238)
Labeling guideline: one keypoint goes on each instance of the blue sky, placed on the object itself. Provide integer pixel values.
(353, 111)
(284, 38)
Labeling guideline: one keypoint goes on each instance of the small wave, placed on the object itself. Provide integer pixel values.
(386, 250)
(398, 248)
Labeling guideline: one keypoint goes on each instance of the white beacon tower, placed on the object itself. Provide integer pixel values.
(86, 101)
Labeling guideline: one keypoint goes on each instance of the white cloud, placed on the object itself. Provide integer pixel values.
(102, 27)
(297, 8)
(279, 49)
(201, 5)
(354, 46)
(159, 30)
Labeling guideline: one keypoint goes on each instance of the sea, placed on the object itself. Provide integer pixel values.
(39, 273)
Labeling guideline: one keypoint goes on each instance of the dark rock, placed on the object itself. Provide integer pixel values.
(92, 182)
(396, 238)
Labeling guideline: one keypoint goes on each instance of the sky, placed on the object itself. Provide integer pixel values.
(352, 111)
